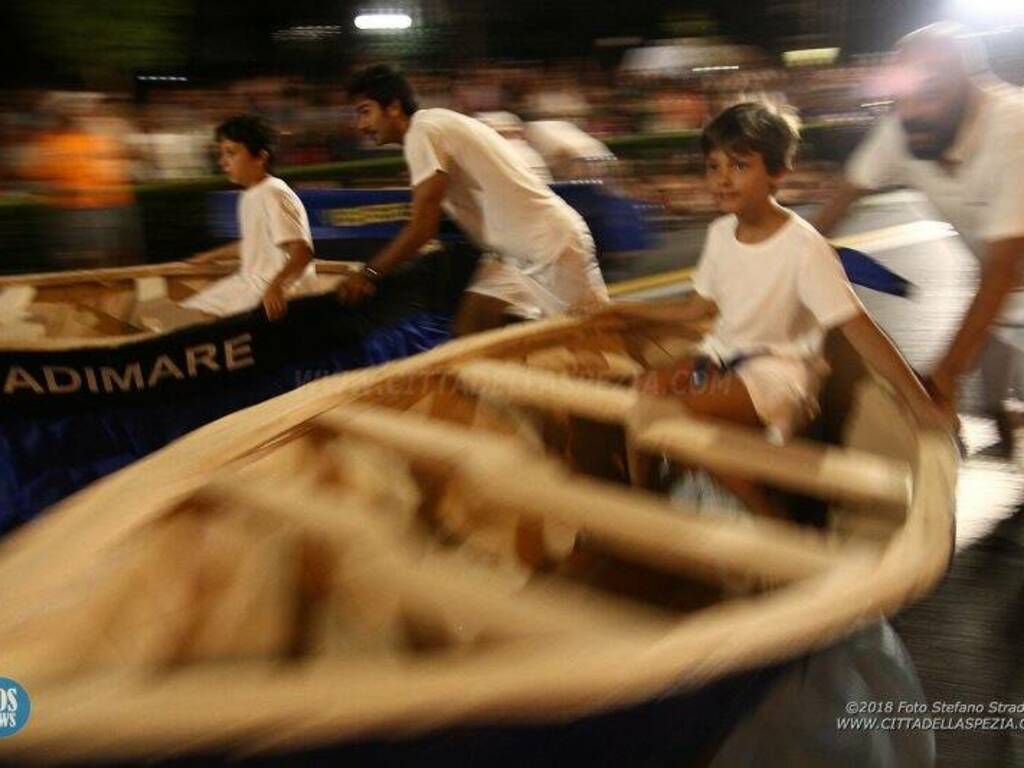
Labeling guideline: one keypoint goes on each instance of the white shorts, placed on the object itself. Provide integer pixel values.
(239, 293)
(569, 283)
(784, 391)
(227, 296)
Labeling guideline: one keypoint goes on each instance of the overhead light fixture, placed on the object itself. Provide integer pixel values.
(810, 56)
(373, 21)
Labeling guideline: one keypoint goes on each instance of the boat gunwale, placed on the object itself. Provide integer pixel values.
(730, 639)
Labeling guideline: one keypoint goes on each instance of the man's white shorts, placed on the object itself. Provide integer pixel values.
(569, 283)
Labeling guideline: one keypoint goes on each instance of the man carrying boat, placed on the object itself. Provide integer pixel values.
(957, 135)
(538, 253)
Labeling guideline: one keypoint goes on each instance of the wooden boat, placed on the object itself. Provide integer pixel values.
(90, 361)
(444, 556)
(79, 308)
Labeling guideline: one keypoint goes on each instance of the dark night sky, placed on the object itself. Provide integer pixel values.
(228, 38)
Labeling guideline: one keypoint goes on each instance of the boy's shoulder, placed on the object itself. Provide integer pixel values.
(273, 188)
(723, 226)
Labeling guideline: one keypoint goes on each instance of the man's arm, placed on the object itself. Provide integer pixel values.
(299, 257)
(999, 276)
(879, 352)
(426, 219)
(837, 206)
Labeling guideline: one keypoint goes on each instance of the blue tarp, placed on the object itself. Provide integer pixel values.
(616, 223)
(861, 269)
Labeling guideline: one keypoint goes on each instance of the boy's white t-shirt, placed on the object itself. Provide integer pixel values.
(778, 296)
(502, 205)
(270, 214)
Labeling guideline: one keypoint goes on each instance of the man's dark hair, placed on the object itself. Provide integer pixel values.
(753, 127)
(253, 132)
(384, 85)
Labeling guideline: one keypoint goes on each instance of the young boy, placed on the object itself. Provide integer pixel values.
(777, 288)
(276, 247)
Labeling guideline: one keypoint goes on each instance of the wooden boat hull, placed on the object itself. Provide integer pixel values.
(77, 408)
(631, 607)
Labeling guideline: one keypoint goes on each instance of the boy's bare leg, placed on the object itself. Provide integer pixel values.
(478, 312)
(720, 396)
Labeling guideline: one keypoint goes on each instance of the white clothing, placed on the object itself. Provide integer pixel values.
(270, 215)
(502, 206)
(981, 196)
(510, 128)
(556, 139)
(776, 299)
(532, 158)
(566, 149)
(492, 195)
(554, 288)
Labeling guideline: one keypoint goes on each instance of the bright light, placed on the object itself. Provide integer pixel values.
(810, 56)
(729, 68)
(991, 11)
(383, 21)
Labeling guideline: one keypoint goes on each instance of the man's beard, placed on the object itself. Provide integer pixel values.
(940, 135)
(939, 138)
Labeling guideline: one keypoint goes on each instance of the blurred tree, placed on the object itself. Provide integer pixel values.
(104, 42)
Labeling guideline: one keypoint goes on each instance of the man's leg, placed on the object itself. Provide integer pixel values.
(999, 366)
(478, 312)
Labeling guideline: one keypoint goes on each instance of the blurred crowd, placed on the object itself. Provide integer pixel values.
(86, 153)
(167, 134)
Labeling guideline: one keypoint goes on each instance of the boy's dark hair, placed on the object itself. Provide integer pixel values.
(253, 132)
(384, 85)
(754, 127)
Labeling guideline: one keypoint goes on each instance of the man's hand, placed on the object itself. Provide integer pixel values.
(943, 392)
(356, 289)
(942, 389)
(274, 302)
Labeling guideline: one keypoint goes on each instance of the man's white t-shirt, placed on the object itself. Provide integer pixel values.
(503, 206)
(982, 195)
(778, 296)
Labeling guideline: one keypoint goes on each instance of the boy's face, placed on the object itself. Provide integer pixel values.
(239, 164)
(382, 124)
(738, 181)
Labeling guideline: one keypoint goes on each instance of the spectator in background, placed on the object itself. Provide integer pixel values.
(86, 177)
(511, 127)
(569, 152)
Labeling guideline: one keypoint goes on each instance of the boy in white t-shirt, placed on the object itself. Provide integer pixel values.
(776, 287)
(276, 246)
(538, 253)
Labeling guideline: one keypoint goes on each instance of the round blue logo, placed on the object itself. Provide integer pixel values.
(15, 707)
